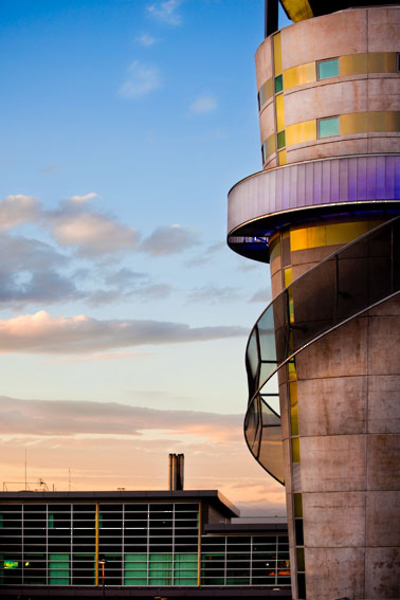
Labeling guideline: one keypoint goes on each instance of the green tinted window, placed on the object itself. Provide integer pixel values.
(328, 127)
(281, 139)
(328, 68)
(278, 84)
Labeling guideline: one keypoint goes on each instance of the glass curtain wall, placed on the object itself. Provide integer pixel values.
(148, 544)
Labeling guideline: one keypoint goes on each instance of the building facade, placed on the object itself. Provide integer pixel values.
(144, 544)
(323, 360)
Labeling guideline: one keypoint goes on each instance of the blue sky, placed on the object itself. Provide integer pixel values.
(124, 316)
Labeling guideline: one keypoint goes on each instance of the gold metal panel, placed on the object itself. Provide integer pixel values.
(280, 112)
(271, 144)
(298, 505)
(353, 64)
(301, 132)
(382, 62)
(386, 121)
(297, 10)
(282, 159)
(299, 75)
(370, 122)
(353, 123)
(277, 54)
(296, 450)
(266, 91)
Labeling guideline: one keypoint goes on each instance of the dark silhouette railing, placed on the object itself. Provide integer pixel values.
(357, 277)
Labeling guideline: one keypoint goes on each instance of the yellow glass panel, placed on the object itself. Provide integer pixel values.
(294, 417)
(296, 450)
(287, 276)
(292, 371)
(298, 10)
(298, 505)
(309, 237)
(299, 75)
(301, 132)
(282, 157)
(277, 54)
(342, 233)
(382, 62)
(353, 64)
(280, 112)
(293, 393)
(294, 420)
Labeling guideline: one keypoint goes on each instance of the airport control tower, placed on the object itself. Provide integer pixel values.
(323, 360)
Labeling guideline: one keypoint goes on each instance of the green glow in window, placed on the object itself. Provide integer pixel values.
(281, 139)
(278, 84)
(10, 564)
(328, 127)
(328, 68)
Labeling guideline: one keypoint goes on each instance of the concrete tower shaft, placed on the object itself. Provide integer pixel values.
(323, 360)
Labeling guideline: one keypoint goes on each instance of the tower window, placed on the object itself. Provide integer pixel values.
(281, 139)
(278, 84)
(328, 68)
(328, 127)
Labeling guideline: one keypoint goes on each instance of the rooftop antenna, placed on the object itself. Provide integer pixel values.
(69, 479)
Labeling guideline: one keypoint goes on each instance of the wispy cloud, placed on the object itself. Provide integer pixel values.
(145, 40)
(141, 81)
(40, 333)
(262, 295)
(165, 241)
(50, 169)
(85, 198)
(166, 12)
(63, 417)
(213, 294)
(204, 104)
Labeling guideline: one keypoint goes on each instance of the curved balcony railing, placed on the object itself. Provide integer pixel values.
(357, 277)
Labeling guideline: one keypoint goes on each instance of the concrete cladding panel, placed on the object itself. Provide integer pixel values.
(334, 519)
(335, 573)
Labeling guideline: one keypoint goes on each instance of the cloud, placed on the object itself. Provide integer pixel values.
(85, 198)
(141, 81)
(91, 232)
(165, 241)
(41, 333)
(262, 295)
(30, 272)
(213, 294)
(63, 417)
(50, 169)
(17, 210)
(145, 40)
(204, 104)
(166, 12)
(207, 255)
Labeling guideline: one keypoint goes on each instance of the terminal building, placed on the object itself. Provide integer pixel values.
(323, 360)
(161, 544)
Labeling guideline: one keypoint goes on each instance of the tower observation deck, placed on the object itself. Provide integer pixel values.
(323, 360)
